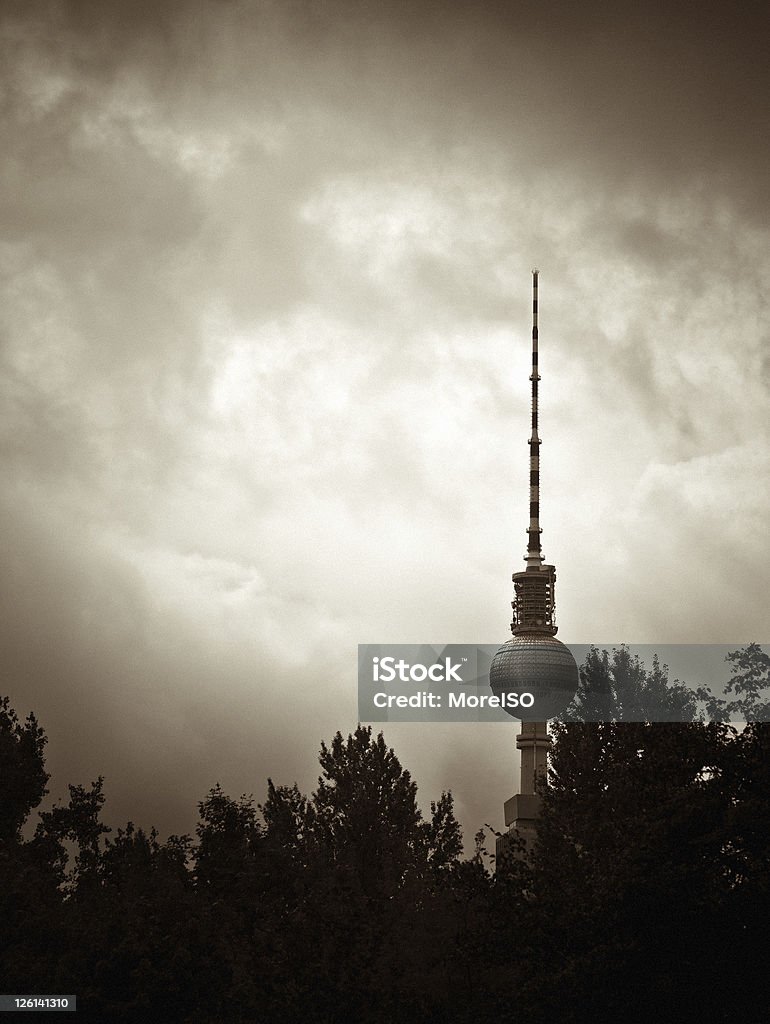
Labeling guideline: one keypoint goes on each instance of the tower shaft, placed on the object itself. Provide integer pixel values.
(522, 810)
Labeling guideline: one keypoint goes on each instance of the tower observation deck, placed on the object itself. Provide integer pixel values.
(533, 660)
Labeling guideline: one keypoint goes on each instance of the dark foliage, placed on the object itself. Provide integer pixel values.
(644, 898)
(617, 687)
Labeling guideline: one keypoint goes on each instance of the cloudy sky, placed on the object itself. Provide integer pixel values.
(264, 327)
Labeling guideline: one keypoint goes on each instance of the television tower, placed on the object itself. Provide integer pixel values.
(533, 660)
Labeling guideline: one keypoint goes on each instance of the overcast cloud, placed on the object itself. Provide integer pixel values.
(264, 329)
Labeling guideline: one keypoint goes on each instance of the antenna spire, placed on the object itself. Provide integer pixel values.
(534, 604)
(534, 555)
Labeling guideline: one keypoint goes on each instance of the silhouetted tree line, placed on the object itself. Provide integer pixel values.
(646, 897)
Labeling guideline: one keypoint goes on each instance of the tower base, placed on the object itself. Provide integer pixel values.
(522, 809)
(521, 814)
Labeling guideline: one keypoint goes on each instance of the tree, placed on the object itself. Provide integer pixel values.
(367, 817)
(368, 915)
(443, 835)
(77, 822)
(652, 853)
(619, 688)
(133, 947)
(29, 876)
(751, 684)
(629, 876)
(23, 776)
(229, 837)
(290, 821)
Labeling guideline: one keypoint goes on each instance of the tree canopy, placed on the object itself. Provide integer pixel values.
(644, 896)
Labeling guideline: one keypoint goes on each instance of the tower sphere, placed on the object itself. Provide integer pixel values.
(539, 664)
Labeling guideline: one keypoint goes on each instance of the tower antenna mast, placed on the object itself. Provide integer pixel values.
(534, 604)
(534, 556)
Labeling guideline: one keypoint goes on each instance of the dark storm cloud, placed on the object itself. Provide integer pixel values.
(676, 89)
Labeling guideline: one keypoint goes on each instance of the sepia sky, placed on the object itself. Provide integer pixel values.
(264, 344)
